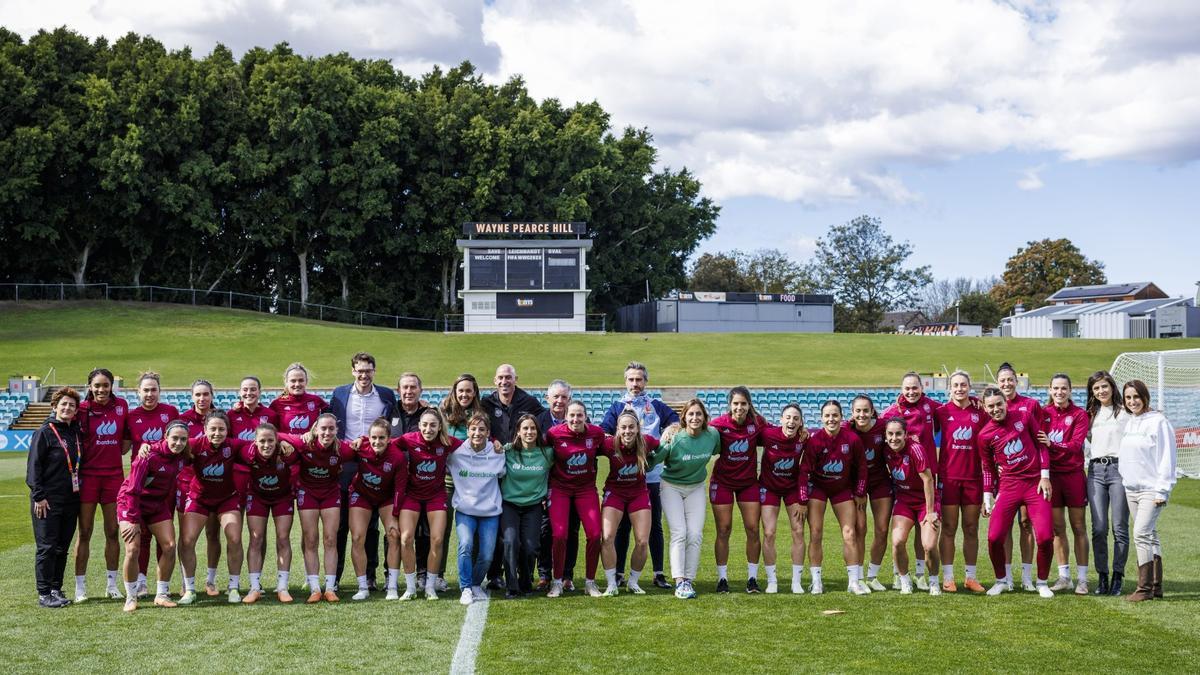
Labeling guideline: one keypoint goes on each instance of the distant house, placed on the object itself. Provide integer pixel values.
(1108, 311)
(1073, 295)
(896, 322)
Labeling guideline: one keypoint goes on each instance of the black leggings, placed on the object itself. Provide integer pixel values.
(520, 535)
(53, 535)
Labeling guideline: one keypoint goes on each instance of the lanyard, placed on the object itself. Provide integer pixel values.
(66, 451)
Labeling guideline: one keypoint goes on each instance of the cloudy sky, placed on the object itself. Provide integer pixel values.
(969, 127)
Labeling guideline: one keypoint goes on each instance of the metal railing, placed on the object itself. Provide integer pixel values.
(30, 292)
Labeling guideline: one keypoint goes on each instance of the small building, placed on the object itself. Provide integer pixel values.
(899, 322)
(1107, 320)
(716, 312)
(1073, 295)
(947, 329)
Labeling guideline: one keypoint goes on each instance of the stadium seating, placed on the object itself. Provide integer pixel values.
(11, 407)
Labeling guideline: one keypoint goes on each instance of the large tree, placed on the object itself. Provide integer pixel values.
(765, 270)
(1040, 268)
(864, 269)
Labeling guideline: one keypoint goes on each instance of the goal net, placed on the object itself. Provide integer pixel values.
(1173, 378)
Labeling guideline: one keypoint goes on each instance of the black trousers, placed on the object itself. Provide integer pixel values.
(621, 541)
(545, 563)
(53, 535)
(521, 537)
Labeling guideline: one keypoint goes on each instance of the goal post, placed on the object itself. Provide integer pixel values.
(1173, 378)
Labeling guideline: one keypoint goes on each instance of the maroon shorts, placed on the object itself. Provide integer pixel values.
(361, 501)
(913, 510)
(435, 503)
(834, 494)
(207, 507)
(962, 492)
(263, 508)
(768, 497)
(100, 488)
(241, 482)
(1068, 488)
(880, 489)
(720, 494)
(307, 500)
(626, 501)
(152, 513)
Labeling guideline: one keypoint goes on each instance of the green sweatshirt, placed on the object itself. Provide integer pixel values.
(526, 474)
(686, 457)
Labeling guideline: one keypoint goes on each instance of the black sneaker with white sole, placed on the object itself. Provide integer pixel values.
(752, 585)
(660, 581)
(722, 585)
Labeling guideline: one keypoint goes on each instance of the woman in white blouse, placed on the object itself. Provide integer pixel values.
(1147, 459)
(1106, 491)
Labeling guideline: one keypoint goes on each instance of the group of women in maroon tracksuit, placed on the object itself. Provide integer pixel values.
(1001, 455)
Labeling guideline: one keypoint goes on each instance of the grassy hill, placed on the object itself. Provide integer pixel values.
(184, 342)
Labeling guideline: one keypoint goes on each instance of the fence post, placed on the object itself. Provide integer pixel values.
(260, 303)
(230, 299)
(61, 294)
(321, 312)
(106, 292)
(193, 297)
(151, 294)
(360, 318)
(18, 287)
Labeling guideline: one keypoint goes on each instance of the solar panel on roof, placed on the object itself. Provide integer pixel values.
(1096, 291)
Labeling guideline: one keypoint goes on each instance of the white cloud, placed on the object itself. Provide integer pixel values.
(1031, 178)
(814, 102)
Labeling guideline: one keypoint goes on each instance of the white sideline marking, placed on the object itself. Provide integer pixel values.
(469, 639)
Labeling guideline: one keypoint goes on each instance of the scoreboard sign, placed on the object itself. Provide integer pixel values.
(550, 229)
(524, 269)
(487, 268)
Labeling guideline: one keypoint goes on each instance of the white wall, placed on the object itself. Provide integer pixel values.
(485, 321)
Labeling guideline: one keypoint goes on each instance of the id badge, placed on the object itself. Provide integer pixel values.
(75, 482)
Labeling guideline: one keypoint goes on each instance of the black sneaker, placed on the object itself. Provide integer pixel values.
(48, 601)
(495, 585)
(752, 585)
(372, 586)
(722, 585)
(512, 595)
(60, 598)
(660, 581)
(620, 578)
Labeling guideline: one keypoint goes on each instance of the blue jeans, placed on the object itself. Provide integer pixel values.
(471, 572)
(1105, 492)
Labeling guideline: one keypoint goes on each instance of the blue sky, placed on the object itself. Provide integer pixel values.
(968, 126)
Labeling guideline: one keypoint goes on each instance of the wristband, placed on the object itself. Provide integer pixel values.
(1045, 473)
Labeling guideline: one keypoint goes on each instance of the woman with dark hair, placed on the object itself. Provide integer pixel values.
(1006, 381)
(573, 482)
(1148, 471)
(685, 452)
(1064, 430)
(735, 478)
(379, 481)
(476, 466)
(527, 462)
(911, 471)
(1106, 492)
(783, 479)
(269, 496)
(961, 479)
(146, 503)
(196, 418)
(428, 449)
(839, 478)
(52, 474)
(101, 420)
(919, 414)
(865, 422)
(147, 423)
(626, 494)
(458, 408)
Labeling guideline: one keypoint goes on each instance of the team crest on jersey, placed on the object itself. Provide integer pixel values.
(312, 406)
(387, 466)
(588, 444)
(750, 428)
(262, 420)
(498, 412)
(975, 418)
(439, 452)
(226, 452)
(877, 439)
(164, 418)
(120, 411)
(845, 448)
(1068, 420)
(333, 460)
(926, 407)
(1020, 426)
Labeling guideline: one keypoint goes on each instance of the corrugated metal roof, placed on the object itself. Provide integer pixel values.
(1131, 307)
(1098, 291)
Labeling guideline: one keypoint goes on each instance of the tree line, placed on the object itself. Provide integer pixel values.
(331, 179)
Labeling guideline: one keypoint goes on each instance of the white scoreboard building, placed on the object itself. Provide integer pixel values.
(535, 285)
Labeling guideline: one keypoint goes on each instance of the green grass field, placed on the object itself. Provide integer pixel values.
(731, 633)
(183, 343)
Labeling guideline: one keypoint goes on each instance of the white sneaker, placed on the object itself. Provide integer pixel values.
(874, 585)
(634, 588)
(999, 587)
(612, 591)
(817, 587)
(1082, 587)
(467, 597)
(409, 594)
(114, 593)
(431, 592)
(1044, 591)
(556, 589)
(857, 587)
(922, 583)
(392, 594)
(797, 587)
(1008, 585)
(80, 597)
(772, 586)
(362, 594)
(479, 593)
(592, 589)
(906, 585)
(935, 589)
(440, 584)
(1061, 584)
(1028, 585)
(234, 597)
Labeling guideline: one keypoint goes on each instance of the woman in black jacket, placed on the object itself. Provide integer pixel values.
(52, 475)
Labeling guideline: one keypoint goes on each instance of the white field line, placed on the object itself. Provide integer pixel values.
(469, 639)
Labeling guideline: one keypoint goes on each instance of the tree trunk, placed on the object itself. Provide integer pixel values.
(302, 258)
(81, 269)
(454, 282)
(137, 274)
(346, 289)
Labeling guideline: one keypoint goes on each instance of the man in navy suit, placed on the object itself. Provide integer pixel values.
(356, 405)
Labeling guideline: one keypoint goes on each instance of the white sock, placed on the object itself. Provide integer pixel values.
(1064, 572)
(330, 581)
(770, 573)
(853, 573)
(212, 576)
(314, 582)
(256, 581)
(1081, 572)
(752, 569)
(235, 580)
(920, 567)
(797, 572)
(283, 579)
(189, 584)
(1008, 572)
(903, 578)
(949, 573)
(362, 582)
(610, 575)
(1043, 582)
(815, 572)
(164, 588)
(111, 577)
(971, 571)
(130, 590)
(634, 575)
(872, 570)
(410, 581)
(722, 571)
(393, 575)
(1026, 571)
(80, 584)
(933, 580)
(141, 579)
(431, 583)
